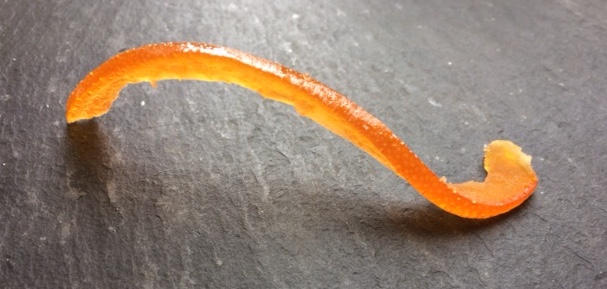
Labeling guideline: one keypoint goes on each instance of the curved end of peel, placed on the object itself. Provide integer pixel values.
(90, 99)
(510, 181)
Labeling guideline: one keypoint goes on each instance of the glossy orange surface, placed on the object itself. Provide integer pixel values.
(510, 178)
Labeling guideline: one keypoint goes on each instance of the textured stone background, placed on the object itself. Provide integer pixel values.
(207, 185)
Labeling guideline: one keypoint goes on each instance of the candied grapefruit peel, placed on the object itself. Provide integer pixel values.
(510, 178)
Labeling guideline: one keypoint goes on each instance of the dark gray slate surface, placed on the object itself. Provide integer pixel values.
(206, 185)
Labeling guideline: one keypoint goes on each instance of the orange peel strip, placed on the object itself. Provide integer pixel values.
(510, 178)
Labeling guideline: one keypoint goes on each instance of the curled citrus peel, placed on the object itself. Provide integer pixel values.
(510, 179)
